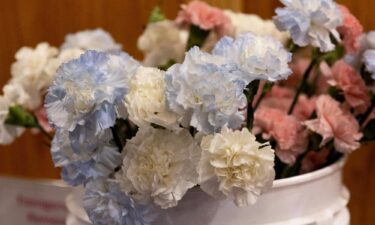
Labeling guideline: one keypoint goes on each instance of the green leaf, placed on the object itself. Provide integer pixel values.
(197, 37)
(156, 15)
(19, 116)
(332, 56)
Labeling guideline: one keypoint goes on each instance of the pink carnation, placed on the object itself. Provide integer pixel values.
(351, 30)
(286, 130)
(205, 17)
(281, 98)
(41, 115)
(352, 85)
(334, 123)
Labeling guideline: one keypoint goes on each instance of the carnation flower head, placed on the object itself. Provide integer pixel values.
(281, 98)
(194, 90)
(333, 123)
(90, 91)
(146, 101)
(351, 83)
(204, 16)
(310, 22)
(79, 166)
(7, 132)
(235, 165)
(369, 59)
(159, 166)
(64, 55)
(29, 73)
(243, 23)
(161, 42)
(286, 130)
(97, 39)
(257, 57)
(106, 204)
(16, 94)
(351, 30)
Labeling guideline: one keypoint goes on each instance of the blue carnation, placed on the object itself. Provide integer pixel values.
(89, 91)
(310, 22)
(106, 204)
(205, 92)
(257, 57)
(80, 166)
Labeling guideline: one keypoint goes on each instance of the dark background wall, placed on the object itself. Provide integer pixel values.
(27, 22)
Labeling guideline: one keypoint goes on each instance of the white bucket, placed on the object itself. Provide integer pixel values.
(317, 198)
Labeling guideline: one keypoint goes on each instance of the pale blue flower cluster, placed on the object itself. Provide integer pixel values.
(205, 92)
(86, 98)
(369, 59)
(310, 22)
(106, 204)
(88, 92)
(257, 57)
(79, 166)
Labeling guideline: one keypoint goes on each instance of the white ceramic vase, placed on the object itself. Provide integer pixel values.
(317, 198)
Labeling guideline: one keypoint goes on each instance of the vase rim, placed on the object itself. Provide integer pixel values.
(317, 174)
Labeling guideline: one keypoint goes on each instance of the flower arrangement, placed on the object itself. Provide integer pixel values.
(223, 101)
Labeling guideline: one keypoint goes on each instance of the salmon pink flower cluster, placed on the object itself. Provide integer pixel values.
(223, 103)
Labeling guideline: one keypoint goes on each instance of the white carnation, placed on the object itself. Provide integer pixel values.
(234, 164)
(97, 39)
(159, 166)
(16, 94)
(7, 132)
(146, 102)
(257, 56)
(310, 22)
(243, 23)
(28, 72)
(162, 41)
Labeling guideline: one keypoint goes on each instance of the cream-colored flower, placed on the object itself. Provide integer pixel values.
(146, 102)
(16, 94)
(29, 68)
(162, 41)
(7, 132)
(243, 23)
(29, 71)
(235, 165)
(65, 55)
(159, 166)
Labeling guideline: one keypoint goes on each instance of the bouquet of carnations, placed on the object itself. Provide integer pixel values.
(223, 101)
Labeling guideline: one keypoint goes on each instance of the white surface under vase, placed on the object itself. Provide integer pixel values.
(317, 198)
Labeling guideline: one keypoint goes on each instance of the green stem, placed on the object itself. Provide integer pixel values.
(265, 91)
(250, 92)
(302, 84)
